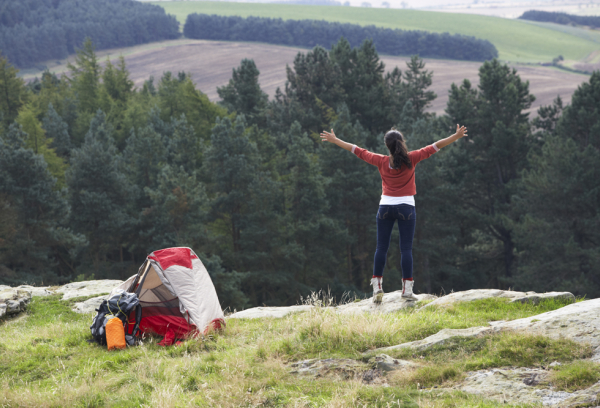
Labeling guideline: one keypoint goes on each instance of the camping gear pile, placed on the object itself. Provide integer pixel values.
(172, 295)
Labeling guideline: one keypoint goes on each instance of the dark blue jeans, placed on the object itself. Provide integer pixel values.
(386, 218)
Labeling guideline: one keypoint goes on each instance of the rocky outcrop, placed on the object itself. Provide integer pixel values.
(524, 386)
(392, 302)
(479, 294)
(13, 300)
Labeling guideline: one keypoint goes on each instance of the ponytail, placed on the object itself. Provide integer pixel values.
(397, 147)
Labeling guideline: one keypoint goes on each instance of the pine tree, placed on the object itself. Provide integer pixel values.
(85, 77)
(581, 121)
(558, 235)
(177, 210)
(12, 92)
(417, 80)
(309, 228)
(231, 163)
(486, 170)
(37, 242)
(37, 141)
(114, 94)
(99, 191)
(243, 94)
(57, 130)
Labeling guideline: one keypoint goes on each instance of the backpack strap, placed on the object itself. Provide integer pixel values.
(136, 329)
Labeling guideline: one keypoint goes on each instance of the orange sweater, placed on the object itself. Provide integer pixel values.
(396, 182)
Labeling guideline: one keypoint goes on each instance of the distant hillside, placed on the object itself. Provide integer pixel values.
(32, 31)
(516, 40)
(308, 33)
(561, 18)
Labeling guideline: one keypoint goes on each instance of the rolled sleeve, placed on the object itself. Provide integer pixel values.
(369, 157)
(422, 154)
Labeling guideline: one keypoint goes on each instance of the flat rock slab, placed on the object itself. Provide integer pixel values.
(538, 297)
(90, 305)
(479, 294)
(264, 312)
(87, 288)
(524, 386)
(392, 302)
(579, 322)
(521, 385)
(13, 300)
(441, 337)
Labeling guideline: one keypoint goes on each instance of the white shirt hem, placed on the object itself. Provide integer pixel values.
(389, 200)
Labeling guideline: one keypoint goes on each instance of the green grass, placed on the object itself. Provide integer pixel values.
(515, 40)
(46, 360)
(576, 375)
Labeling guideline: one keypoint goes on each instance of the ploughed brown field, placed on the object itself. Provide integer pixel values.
(211, 62)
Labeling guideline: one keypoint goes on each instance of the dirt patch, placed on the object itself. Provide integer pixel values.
(211, 62)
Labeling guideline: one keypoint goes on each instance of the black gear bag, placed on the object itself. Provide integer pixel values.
(119, 305)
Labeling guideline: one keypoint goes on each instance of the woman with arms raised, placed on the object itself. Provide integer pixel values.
(397, 200)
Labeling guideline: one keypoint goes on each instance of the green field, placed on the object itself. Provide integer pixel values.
(515, 40)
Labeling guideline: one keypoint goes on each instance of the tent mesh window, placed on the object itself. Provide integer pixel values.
(155, 298)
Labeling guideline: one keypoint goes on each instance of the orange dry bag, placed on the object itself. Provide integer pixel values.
(115, 334)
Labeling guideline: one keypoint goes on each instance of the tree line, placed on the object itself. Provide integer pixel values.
(95, 174)
(561, 18)
(33, 31)
(310, 33)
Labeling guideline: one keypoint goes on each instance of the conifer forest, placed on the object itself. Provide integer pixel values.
(95, 174)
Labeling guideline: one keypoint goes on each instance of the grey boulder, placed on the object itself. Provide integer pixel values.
(89, 305)
(13, 301)
(36, 290)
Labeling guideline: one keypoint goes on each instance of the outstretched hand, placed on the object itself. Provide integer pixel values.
(328, 136)
(461, 131)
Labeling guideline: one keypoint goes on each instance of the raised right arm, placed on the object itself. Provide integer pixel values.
(371, 158)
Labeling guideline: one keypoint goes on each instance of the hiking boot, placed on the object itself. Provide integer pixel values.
(407, 289)
(377, 289)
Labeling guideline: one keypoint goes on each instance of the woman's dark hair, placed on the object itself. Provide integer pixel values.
(397, 147)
